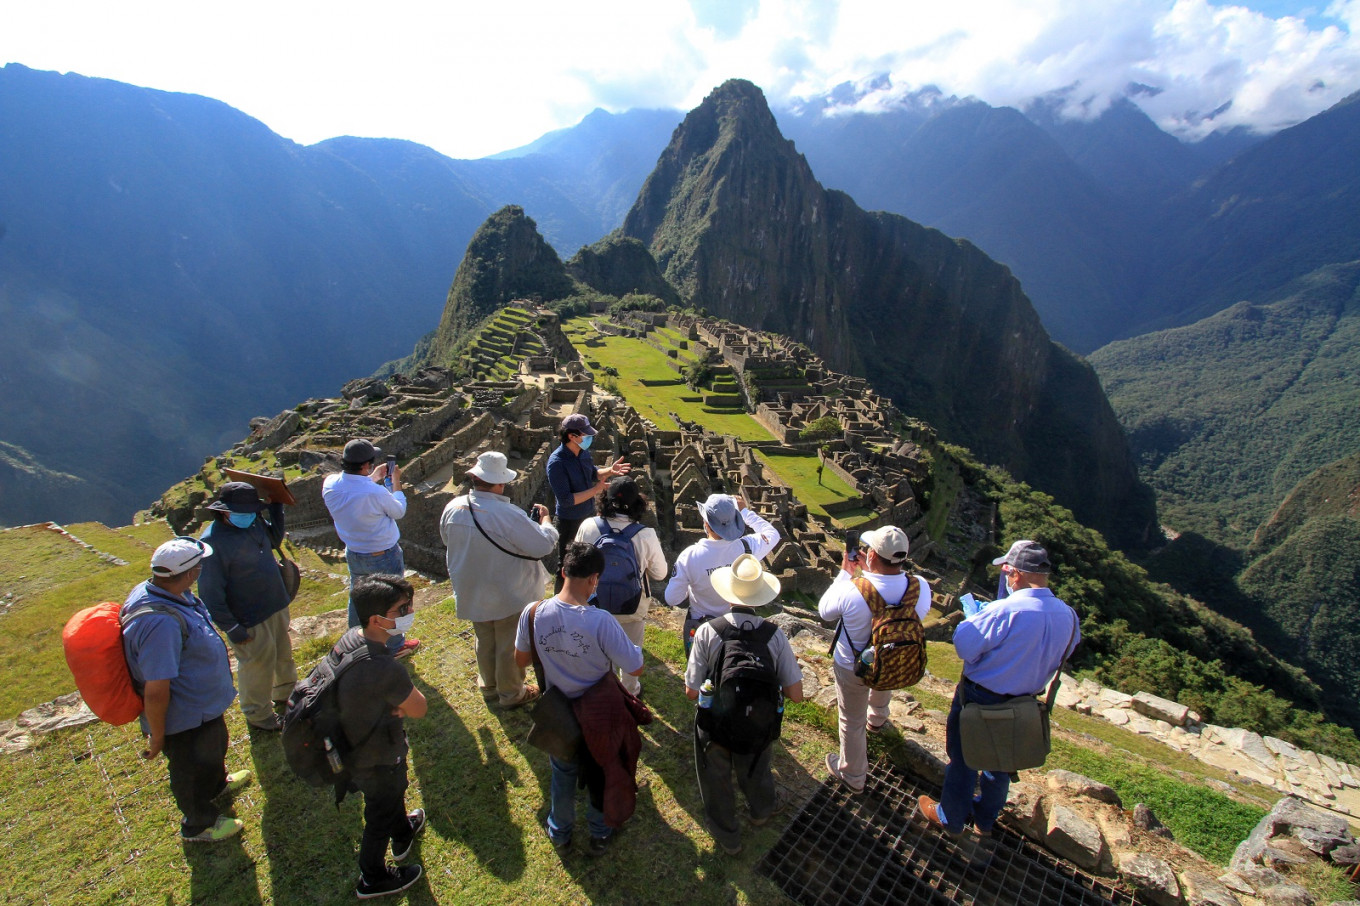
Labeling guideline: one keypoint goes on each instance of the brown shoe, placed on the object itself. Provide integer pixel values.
(531, 694)
(930, 809)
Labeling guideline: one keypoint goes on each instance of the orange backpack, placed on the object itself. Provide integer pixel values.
(93, 642)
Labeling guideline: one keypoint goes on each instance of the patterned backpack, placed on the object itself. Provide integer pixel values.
(896, 636)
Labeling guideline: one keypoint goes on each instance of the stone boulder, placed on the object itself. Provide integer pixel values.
(1074, 838)
(1151, 877)
(1157, 708)
(1071, 784)
(1200, 889)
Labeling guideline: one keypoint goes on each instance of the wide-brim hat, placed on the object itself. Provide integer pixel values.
(1026, 556)
(237, 497)
(746, 583)
(721, 514)
(493, 469)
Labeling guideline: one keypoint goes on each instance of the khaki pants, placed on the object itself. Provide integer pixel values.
(634, 627)
(265, 672)
(855, 702)
(498, 676)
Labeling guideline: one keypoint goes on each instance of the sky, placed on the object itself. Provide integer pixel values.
(471, 79)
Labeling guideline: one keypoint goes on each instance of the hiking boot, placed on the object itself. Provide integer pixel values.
(236, 781)
(930, 810)
(395, 881)
(599, 844)
(531, 694)
(879, 728)
(417, 820)
(562, 844)
(407, 649)
(833, 764)
(220, 830)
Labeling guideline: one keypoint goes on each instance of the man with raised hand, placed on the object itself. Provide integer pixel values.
(365, 513)
(244, 592)
(575, 481)
(1012, 647)
(881, 558)
(726, 519)
(178, 660)
(495, 558)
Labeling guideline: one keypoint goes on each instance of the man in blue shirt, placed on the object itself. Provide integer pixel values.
(1012, 648)
(365, 513)
(575, 481)
(178, 660)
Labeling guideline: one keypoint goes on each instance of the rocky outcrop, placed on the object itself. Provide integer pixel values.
(739, 225)
(619, 265)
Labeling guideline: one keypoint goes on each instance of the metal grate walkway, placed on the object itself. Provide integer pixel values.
(876, 849)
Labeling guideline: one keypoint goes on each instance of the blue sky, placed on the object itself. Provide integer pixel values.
(473, 79)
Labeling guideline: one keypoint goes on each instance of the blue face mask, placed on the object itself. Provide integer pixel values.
(587, 441)
(241, 520)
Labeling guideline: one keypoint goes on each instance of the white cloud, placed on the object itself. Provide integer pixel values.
(473, 79)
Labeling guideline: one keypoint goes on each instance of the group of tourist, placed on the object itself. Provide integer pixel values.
(588, 659)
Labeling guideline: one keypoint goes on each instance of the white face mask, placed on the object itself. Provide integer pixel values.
(403, 625)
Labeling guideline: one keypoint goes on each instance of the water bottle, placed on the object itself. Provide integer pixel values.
(706, 694)
(866, 657)
(333, 757)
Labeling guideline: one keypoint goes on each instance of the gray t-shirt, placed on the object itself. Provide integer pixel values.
(707, 642)
(578, 645)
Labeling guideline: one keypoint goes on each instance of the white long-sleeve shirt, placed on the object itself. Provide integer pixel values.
(364, 512)
(698, 561)
(842, 601)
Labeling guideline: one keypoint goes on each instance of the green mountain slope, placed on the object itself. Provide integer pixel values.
(1225, 416)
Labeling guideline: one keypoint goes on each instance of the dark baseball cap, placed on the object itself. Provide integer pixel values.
(577, 424)
(358, 452)
(1026, 556)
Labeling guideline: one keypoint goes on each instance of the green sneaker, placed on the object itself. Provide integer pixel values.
(221, 829)
(236, 781)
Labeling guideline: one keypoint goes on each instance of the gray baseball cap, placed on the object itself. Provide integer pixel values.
(1026, 556)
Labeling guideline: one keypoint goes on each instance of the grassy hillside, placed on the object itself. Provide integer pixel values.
(47, 576)
(1225, 416)
(484, 789)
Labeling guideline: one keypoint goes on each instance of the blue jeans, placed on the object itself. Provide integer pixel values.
(389, 561)
(562, 814)
(956, 800)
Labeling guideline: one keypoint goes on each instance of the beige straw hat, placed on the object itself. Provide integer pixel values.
(745, 583)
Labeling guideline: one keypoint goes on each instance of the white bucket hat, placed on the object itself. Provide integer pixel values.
(745, 583)
(491, 468)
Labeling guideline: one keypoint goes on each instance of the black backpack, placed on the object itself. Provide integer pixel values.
(620, 588)
(748, 701)
(313, 717)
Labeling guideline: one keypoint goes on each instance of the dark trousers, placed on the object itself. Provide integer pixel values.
(957, 798)
(385, 821)
(716, 766)
(566, 534)
(198, 772)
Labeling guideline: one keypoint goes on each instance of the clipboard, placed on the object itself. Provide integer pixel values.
(266, 484)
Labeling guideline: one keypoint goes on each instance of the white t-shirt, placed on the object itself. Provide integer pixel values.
(701, 559)
(842, 601)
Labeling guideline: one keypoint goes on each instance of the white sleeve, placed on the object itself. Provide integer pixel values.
(766, 536)
(652, 560)
(923, 602)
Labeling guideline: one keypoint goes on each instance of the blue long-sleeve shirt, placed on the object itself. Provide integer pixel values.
(1015, 645)
(568, 475)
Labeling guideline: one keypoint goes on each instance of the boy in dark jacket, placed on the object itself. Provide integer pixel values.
(375, 695)
(244, 592)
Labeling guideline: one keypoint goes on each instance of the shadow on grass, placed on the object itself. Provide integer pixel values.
(222, 873)
(465, 784)
(312, 846)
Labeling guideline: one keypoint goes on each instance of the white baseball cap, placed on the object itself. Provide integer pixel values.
(179, 555)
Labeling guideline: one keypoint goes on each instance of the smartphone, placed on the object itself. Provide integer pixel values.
(391, 464)
(852, 543)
